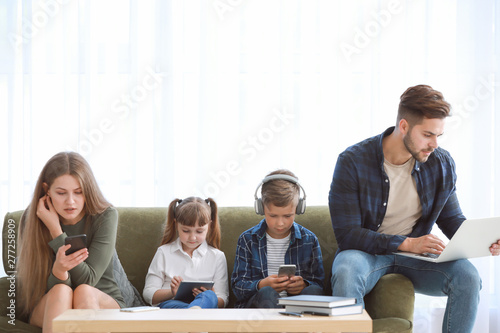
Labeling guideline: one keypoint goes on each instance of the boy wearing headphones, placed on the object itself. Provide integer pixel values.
(275, 241)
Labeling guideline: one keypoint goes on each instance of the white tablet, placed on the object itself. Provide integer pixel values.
(185, 291)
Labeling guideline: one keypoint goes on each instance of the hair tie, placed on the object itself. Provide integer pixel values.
(178, 203)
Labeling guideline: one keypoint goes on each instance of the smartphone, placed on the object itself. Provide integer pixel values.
(287, 270)
(288, 313)
(140, 309)
(77, 242)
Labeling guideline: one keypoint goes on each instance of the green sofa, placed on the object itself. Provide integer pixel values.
(390, 304)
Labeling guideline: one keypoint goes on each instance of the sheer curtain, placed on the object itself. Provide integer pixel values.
(174, 98)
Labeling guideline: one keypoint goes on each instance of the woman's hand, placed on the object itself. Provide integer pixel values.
(174, 284)
(47, 213)
(64, 263)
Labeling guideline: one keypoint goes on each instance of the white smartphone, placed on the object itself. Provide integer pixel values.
(287, 270)
(140, 309)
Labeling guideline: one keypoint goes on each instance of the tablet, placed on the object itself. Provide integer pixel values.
(185, 291)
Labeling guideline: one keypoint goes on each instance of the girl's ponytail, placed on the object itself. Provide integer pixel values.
(214, 234)
(170, 232)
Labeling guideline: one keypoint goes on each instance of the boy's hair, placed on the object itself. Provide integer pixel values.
(280, 192)
(422, 101)
(189, 212)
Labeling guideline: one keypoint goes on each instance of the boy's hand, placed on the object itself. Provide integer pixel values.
(277, 283)
(296, 285)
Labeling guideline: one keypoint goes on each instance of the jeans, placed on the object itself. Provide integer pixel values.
(205, 300)
(267, 297)
(355, 273)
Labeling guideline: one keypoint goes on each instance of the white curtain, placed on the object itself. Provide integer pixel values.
(174, 98)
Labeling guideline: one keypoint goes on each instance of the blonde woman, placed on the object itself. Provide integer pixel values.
(66, 202)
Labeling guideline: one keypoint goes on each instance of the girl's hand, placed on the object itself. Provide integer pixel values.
(174, 284)
(197, 291)
(47, 213)
(64, 263)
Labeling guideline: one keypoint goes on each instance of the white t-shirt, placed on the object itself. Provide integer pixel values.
(403, 207)
(207, 264)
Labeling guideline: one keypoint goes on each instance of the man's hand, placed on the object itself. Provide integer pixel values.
(495, 248)
(277, 283)
(296, 285)
(424, 244)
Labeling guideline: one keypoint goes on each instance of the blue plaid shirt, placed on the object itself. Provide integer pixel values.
(250, 263)
(360, 190)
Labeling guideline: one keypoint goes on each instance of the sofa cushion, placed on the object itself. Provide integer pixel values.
(392, 325)
(130, 294)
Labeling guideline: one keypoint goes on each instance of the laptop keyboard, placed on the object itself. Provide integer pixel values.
(430, 255)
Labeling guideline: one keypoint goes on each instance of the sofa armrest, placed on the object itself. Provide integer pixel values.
(392, 297)
(8, 307)
(6, 295)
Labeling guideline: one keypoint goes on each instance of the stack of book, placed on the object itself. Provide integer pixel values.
(321, 305)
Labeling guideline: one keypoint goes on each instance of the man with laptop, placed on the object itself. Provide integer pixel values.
(386, 194)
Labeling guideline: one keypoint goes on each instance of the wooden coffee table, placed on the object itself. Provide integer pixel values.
(206, 320)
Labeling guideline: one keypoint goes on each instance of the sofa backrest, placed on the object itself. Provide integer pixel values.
(140, 231)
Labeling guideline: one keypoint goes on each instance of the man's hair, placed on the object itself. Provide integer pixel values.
(422, 101)
(280, 192)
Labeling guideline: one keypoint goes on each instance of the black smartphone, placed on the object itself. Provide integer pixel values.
(77, 242)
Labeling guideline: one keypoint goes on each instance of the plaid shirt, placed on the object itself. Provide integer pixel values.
(250, 263)
(360, 190)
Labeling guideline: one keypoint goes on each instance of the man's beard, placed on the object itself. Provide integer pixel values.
(410, 146)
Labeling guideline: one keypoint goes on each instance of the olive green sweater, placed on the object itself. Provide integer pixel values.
(97, 269)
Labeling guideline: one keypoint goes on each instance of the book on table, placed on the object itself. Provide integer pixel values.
(317, 300)
(321, 310)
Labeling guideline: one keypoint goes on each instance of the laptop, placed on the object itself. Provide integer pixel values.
(473, 239)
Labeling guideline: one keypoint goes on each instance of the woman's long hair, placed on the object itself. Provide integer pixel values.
(36, 257)
(190, 211)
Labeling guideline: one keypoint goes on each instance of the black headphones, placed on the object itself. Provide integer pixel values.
(259, 206)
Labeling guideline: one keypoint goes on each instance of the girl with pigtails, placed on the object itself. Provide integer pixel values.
(189, 251)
